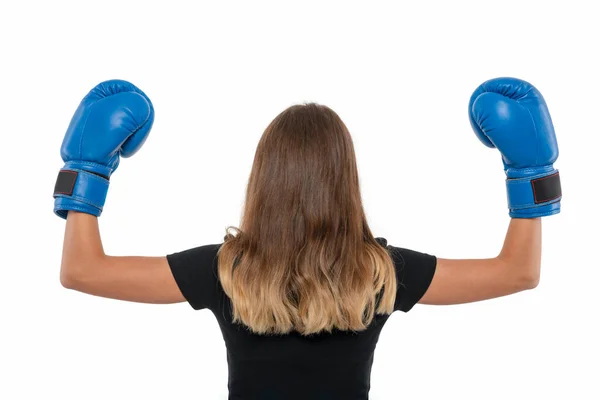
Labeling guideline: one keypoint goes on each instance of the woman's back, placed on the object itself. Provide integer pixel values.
(327, 365)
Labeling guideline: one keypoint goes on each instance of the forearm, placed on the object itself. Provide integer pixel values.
(522, 248)
(82, 247)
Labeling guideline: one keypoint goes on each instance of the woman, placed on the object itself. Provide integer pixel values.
(302, 289)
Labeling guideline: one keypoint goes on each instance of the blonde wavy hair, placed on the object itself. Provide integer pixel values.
(304, 258)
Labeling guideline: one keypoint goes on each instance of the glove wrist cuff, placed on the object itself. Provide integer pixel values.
(89, 166)
(530, 195)
(79, 190)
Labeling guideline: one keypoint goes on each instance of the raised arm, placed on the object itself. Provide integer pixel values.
(112, 121)
(511, 115)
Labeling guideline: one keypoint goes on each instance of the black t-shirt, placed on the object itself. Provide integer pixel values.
(326, 366)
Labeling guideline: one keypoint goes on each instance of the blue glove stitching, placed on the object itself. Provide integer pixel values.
(534, 205)
(534, 215)
(81, 199)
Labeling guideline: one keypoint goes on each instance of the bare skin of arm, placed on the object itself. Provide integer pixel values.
(87, 269)
(515, 269)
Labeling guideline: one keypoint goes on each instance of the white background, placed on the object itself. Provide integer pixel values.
(400, 75)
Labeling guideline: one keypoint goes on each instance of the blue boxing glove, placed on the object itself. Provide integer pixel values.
(511, 115)
(113, 120)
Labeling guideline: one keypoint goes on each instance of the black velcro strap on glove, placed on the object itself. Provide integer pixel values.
(65, 182)
(546, 188)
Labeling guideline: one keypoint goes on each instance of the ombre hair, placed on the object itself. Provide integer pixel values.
(304, 258)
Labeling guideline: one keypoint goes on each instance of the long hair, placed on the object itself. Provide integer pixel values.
(304, 258)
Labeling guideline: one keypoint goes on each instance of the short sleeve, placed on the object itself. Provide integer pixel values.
(415, 272)
(196, 274)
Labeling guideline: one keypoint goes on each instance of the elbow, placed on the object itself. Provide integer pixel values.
(68, 281)
(530, 281)
(528, 276)
(70, 277)
(79, 275)
(525, 275)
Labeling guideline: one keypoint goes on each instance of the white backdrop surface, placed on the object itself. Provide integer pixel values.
(400, 75)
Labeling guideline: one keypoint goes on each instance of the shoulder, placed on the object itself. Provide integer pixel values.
(205, 251)
(196, 272)
(404, 257)
(414, 271)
